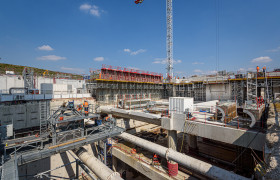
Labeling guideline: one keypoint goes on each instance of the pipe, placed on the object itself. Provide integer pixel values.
(18, 88)
(252, 118)
(223, 114)
(87, 171)
(199, 166)
(96, 166)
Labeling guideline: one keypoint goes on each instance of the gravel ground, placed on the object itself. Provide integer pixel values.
(273, 144)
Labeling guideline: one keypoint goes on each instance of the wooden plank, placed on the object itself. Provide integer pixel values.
(63, 144)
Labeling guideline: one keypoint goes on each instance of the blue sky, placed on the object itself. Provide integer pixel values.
(75, 35)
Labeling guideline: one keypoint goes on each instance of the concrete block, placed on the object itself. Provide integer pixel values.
(178, 121)
(165, 123)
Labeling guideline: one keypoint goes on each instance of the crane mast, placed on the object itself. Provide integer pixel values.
(169, 38)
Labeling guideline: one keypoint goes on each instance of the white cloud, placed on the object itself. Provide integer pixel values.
(274, 50)
(126, 50)
(198, 63)
(91, 9)
(51, 58)
(45, 48)
(133, 53)
(138, 51)
(164, 61)
(99, 58)
(73, 70)
(262, 59)
(85, 7)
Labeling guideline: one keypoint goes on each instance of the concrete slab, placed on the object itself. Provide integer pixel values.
(239, 137)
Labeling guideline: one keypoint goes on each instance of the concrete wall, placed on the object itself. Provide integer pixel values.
(21, 115)
(218, 91)
(8, 81)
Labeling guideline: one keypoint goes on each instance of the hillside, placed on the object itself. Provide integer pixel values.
(39, 72)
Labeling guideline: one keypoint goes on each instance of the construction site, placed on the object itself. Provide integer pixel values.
(125, 123)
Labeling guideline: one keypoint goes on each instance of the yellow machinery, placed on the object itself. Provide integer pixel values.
(46, 72)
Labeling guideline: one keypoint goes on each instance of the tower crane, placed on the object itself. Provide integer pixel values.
(169, 37)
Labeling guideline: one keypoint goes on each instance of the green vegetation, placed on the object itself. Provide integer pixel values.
(39, 72)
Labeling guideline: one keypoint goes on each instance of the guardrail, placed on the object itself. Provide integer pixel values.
(18, 97)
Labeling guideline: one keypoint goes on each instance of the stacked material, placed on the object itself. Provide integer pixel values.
(257, 111)
(230, 110)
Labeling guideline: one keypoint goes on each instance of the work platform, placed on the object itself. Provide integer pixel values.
(94, 134)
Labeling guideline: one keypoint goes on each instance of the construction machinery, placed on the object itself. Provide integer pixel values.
(45, 73)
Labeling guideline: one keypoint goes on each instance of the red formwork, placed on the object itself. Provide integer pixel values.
(128, 74)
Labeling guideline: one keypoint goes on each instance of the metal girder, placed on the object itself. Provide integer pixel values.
(46, 152)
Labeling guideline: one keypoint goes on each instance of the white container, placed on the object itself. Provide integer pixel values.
(180, 105)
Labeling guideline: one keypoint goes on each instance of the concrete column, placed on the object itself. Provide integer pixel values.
(126, 122)
(172, 143)
(172, 139)
(192, 143)
(174, 91)
(114, 163)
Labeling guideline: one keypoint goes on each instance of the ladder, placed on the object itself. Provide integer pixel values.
(44, 112)
(268, 87)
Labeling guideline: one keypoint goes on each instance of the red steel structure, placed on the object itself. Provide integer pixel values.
(117, 73)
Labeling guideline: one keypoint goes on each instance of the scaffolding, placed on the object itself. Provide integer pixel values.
(252, 87)
(28, 77)
(110, 84)
(113, 73)
(237, 91)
